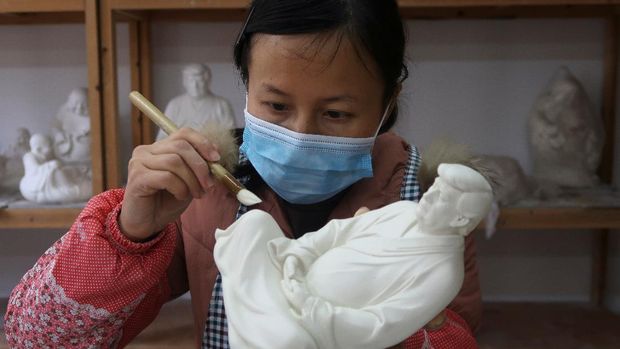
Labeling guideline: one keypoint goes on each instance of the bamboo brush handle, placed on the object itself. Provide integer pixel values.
(153, 113)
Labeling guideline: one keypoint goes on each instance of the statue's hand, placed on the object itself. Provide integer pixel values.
(291, 269)
(296, 293)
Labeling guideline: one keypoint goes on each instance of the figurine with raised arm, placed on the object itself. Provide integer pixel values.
(365, 282)
(47, 180)
(198, 105)
(72, 129)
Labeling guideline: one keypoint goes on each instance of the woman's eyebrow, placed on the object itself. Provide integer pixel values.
(272, 89)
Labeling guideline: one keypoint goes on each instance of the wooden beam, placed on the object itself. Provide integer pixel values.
(178, 4)
(41, 18)
(110, 97)
(28, 218)
(93, 46)
(559, 218)
(21, 6)
(142, 129)
(610, 83)
(148, 128)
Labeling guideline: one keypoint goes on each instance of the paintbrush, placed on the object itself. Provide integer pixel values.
(244, 196)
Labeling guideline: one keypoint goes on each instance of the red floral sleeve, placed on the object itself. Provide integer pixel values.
(93, 288)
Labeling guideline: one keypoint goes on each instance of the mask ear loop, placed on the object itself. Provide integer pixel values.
(389, 108)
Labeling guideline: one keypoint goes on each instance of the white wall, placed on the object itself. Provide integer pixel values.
(473, 81)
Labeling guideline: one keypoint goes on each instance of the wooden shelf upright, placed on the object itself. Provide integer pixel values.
(33, 12)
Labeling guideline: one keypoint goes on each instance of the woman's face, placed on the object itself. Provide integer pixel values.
(309, 84)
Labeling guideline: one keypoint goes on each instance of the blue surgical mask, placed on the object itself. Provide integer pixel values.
(305, 168)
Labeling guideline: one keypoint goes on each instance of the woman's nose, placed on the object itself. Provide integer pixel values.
(303, 122)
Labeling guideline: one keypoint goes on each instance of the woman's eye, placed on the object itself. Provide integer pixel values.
(277, 106)
(333, 114)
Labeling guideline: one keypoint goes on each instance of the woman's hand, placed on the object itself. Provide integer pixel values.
(163, 179)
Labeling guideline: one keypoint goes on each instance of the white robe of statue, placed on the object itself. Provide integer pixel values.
(72, 129)
(47, 180)
(198, 106)
(365, 282)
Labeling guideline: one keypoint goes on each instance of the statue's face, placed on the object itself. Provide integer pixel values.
(437, 209)
(41, 146)
(195, 83)
(77, 103)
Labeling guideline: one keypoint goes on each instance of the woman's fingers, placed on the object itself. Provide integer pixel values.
(189, 155)
(172, 169)
(203, 146)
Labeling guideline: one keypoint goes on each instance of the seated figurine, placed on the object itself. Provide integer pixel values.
(46, 180)
(365, 282)
(72, 129)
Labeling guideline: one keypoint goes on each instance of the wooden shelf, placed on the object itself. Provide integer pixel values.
(193, 10)
(547, 325)
(559, 218)
(31, 218)
(38, 6)
(38, 12)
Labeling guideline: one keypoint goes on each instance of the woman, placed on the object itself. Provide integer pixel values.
(322, 80)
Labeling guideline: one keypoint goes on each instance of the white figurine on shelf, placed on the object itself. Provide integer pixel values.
(365, 282)
(72, 129)
(47, 180)
(11, 164)
(198, 105)
(566, 136)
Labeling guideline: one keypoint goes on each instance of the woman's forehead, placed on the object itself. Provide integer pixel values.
(313, 55)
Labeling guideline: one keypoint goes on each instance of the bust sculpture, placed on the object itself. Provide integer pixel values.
(11, 165)
(198, 105)
(72, 129)
(47, 180)
(364, 282)
(566, 136)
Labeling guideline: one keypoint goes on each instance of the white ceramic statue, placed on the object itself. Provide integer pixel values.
(11, 164)
(566, 136)
(47, 180)
(365, 282)
(72, 129)
(511, 183)
(198, 105)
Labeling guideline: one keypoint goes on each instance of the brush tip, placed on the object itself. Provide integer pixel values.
(248, 198)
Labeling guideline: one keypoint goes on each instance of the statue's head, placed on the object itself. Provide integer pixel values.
(23, 137)
(457, 201)
(77, 102)
(41, 146)
(196, 78)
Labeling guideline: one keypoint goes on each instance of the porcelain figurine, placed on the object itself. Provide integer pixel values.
(47, 180)
(364, 282)
(566, 135)
(72, 129)
(198, 105)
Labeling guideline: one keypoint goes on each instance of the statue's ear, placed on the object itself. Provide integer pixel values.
(459, 222)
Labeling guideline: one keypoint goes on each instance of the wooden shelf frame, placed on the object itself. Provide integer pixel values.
(141, 13)
(33, 12)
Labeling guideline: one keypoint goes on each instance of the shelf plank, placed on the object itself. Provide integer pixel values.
(179, 4)
(547, 325)
(29, 6)
(559, 218)
(26, 218)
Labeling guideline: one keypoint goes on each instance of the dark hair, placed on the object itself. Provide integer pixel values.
(375, 25)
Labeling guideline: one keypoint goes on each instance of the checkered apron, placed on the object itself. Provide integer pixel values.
(215, 335)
